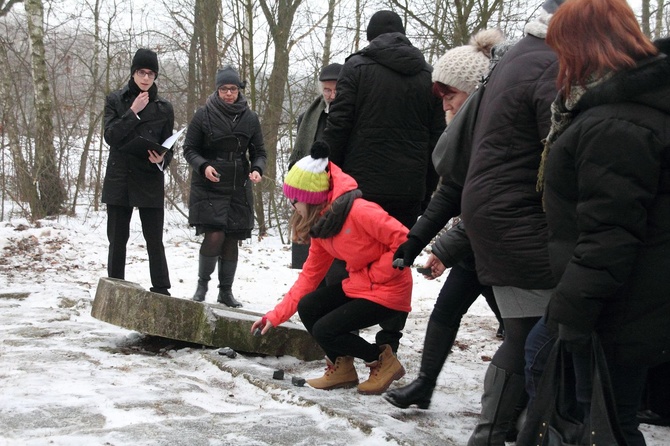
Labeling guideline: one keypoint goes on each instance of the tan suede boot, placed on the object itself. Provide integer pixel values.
(382, 372)
(339, 375)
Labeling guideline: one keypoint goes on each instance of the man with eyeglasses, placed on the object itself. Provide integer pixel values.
(133, 181)
(311, 124)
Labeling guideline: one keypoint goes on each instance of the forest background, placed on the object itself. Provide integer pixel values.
(59, 59)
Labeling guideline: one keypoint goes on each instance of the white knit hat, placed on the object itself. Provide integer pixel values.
(463, 67)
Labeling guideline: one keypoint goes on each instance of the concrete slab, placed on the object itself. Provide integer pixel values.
(130, 306)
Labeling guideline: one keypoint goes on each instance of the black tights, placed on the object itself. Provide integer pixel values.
(216, 244)
(510, 355)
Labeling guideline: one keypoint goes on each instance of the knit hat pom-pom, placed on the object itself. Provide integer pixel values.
(319, 150)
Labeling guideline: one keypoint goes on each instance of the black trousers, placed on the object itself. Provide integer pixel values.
(333, 319)
(118, 233)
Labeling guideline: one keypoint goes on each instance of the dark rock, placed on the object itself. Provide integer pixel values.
(278, 374)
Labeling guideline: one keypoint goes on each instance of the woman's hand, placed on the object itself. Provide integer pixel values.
(436, 267)
(156, 157)
(255, 177)
(211, 174)
(263, 324)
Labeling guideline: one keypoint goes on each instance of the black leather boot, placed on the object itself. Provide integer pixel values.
(227, 270)
(436, 348)
(206, 265)
(503, 393)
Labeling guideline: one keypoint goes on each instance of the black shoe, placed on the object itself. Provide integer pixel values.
(200, 292)
(650, 417)
(500, 334)
(162, 291)
(226, 297)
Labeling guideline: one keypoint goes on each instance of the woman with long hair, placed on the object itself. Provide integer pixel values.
(606, 182)
(342, 225)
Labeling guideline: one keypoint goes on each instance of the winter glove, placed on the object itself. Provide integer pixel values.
(408, 251)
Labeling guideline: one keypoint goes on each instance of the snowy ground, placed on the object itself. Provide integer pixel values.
(69, 379)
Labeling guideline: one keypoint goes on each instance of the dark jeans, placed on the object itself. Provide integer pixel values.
(458, 293)
(391, 329)
(332, 318)
(118, 233)
(627, 380)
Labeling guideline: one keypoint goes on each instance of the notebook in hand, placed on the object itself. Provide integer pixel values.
(139, 145)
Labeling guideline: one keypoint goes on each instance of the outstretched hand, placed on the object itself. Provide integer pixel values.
(263, 324)
(408, 251)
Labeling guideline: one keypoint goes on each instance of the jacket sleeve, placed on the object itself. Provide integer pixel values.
(436, 129)
(453, 246)
(118, 123)
(618, 175)
(168, 130)
(342, 114)
(313, 272)
(257, 153)
(444, 205)
(194, 141)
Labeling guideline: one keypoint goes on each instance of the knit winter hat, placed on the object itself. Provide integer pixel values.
(228, 76)
(552, 5)
(308, 181)
(144, 58)
(330, 72)
(464, 66)
(383, 22)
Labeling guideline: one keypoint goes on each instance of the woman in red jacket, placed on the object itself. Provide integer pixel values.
(344, 226)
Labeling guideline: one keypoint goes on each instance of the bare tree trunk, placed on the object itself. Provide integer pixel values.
(658, 29)
(646, 17)
(45, 172)
(327, 42)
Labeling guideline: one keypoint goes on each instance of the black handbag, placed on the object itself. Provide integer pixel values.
(549, 423)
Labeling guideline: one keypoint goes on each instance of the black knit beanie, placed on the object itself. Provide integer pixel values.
(228, 76)
(144, 58)
(383, 22)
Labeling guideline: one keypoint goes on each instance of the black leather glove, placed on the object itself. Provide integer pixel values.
(408, 251)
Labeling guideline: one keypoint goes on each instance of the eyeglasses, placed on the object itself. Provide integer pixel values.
(328, 91)
(293, 202)
(228, 89)
(146, 73)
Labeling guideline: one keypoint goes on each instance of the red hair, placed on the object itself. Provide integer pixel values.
(593, 37)
(440, 90)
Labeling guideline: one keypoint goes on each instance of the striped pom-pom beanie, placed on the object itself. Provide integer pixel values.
(308, 181)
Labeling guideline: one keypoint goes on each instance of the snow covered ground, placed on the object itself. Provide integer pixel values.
(69, 379)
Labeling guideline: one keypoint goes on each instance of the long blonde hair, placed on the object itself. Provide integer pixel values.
(300, 225)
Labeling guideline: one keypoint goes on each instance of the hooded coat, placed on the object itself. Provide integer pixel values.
(223, 142)
(366, 243)
(385, 121)
(607, 198)
(501, 207)
(130, 180)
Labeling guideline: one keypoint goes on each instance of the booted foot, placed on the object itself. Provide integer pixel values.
(200, 292)
(340, 375)
(382, 373)
(226, 297)
(418, 393)
(163, 291)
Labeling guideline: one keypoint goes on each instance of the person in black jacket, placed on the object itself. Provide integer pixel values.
(382, 128)
(455, 77)
(137, 181)
(221, 200)
(503, 215)
(606, 183)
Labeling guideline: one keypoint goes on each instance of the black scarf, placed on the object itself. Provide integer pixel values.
(223, 112)
(135, 90)
(330, 224)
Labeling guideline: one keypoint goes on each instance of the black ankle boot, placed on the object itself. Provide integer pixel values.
(226, 297)
(418, 392)
(439, 340)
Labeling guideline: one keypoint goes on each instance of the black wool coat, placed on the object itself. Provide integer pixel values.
(607, 195)
(384, 122)
(234, 148)
(131, 180)
(501, 207)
